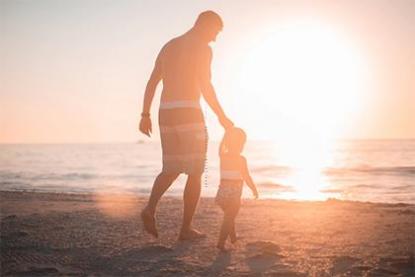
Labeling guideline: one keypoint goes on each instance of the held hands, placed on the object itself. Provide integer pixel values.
(145, 126)
(225, 122)
(255, 193)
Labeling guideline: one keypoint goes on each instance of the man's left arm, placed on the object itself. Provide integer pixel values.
(208, 91)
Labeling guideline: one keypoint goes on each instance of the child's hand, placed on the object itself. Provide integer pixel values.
(255, 193)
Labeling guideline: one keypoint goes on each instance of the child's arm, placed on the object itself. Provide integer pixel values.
(247, 178)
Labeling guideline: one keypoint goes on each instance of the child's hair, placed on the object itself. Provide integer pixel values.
(233, 141)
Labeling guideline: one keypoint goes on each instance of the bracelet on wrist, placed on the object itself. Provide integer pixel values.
(145, 114)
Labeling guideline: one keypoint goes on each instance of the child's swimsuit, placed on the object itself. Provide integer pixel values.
(231, 182)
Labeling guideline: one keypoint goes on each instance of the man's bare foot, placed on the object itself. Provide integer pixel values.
(149, 222)
(191, 234)
(222, 248)
(233, 237)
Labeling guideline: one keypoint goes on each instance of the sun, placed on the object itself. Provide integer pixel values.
(305, 83)
(308, 74)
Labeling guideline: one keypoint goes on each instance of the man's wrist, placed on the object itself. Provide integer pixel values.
(145, 114)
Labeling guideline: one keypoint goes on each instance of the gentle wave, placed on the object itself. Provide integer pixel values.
(68, 176)
(405, 170)
(408, 171)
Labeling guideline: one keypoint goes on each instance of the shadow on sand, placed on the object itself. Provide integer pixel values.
(222, 261)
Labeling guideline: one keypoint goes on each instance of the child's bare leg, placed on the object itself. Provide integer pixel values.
(224, 230)
(232, 233)
(228, 225)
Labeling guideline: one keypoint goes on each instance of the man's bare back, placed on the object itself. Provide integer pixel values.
(184, 62)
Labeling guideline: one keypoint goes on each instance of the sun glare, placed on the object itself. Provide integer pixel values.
(307, 156)
(307, 73)
(310, 81)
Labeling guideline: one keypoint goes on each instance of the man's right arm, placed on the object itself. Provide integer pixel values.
(156, 75)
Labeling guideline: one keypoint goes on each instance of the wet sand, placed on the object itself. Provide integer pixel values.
(47, 234)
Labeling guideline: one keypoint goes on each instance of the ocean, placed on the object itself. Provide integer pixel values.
(357, 170)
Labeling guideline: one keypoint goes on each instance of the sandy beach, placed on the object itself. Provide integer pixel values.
(51, 234)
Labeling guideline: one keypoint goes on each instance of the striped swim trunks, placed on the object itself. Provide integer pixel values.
(183, 137)
(230, 187)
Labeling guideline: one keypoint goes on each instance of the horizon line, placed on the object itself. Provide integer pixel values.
(144, 141)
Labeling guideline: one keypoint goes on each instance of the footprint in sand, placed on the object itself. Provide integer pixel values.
(262, 255)
(403, 264)
(10, 217)
(150, 252)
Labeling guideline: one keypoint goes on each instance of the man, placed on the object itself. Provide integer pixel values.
(184, 66)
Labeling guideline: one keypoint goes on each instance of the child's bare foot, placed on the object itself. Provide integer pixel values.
(191, 234)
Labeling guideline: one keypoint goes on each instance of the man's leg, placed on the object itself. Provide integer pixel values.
(190, 198)
(161, 184)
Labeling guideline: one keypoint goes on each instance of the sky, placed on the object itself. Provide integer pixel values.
(75, 71)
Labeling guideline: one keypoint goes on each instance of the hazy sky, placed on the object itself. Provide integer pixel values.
(75, 71)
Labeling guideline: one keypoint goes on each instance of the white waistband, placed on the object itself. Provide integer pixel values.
(183, 128)
(179, 104)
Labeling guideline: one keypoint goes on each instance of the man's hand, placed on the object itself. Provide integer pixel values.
(225, 122)
(145, 126)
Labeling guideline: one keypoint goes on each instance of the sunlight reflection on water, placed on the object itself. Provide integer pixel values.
(364, 170)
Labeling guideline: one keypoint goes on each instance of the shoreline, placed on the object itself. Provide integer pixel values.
(177, 197)
(54, 234)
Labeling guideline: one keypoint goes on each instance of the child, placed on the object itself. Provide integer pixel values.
(233, 172)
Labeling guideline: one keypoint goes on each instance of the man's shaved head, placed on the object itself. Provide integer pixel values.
(209, 19)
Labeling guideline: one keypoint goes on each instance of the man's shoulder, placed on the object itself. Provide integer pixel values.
(169, 44)
(167, 47)
(173, 41)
